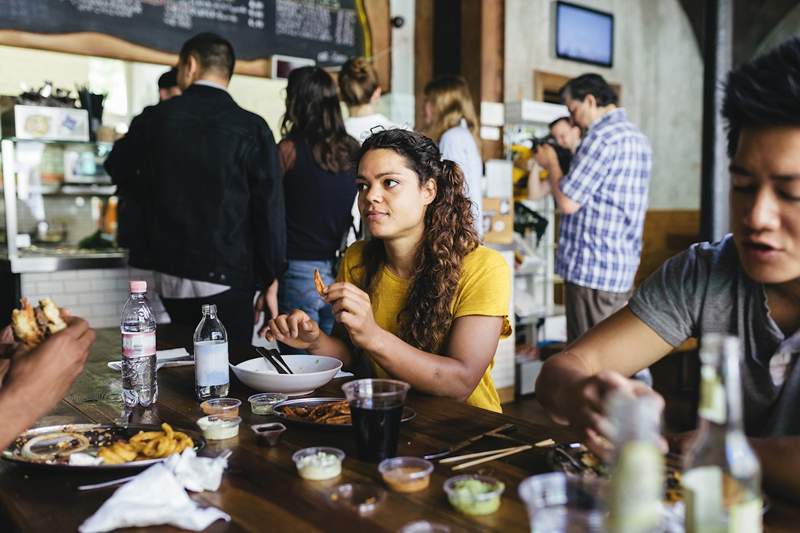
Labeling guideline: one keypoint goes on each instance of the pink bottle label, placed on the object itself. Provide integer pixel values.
(138, 344)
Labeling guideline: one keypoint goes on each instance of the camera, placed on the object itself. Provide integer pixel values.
(564, 156)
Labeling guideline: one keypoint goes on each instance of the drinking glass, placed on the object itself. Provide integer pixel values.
(558, 503)
(376, 407)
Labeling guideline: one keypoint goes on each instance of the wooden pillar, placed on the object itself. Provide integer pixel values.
(423, 55)
(482, 57)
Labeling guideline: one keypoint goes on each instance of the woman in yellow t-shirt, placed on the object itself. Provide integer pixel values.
(422, 300)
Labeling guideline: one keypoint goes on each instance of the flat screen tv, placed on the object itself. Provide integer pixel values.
(584, 34)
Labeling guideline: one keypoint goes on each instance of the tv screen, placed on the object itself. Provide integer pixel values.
(584, 34)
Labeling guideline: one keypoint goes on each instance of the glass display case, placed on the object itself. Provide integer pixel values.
(59, 206)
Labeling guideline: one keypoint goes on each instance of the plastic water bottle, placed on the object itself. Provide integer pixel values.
(138, 326)
(212, 379)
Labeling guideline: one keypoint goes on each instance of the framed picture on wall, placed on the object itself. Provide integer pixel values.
(584, 34)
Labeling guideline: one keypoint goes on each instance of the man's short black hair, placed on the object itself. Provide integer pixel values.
(586, 84)
(169, 79)
(212, 52)
(764, 92)
(559, 119)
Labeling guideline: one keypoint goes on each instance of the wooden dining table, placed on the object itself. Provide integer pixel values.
(261, 489)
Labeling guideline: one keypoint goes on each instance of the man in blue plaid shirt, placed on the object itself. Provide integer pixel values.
(602, 199)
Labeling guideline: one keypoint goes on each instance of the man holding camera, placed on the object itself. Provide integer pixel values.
(602, 199)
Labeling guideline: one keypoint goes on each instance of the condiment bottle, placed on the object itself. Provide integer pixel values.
(722, 476)
(637, 478)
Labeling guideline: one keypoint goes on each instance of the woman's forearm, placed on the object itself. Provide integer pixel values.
(426, 372)
(332, 346)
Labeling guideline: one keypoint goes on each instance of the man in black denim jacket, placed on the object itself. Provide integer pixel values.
(202, 195)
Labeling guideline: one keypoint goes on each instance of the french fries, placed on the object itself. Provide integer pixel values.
(319, 284)
(146, 445)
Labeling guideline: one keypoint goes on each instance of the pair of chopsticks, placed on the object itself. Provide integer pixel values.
(274, 357)
(491, 455)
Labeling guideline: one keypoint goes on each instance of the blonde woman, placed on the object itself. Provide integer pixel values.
(450, 120)
(360, 91)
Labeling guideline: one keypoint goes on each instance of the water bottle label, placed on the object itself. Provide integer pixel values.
(211, 363)
(138, 344)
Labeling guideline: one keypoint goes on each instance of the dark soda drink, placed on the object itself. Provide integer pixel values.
(376, 408)
(377, 431)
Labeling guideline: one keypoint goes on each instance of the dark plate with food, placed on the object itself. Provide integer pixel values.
(333, 413)
(81, 446)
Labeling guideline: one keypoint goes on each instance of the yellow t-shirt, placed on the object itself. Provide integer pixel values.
(484, 288)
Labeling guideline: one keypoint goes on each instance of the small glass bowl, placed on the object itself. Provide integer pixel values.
(218, 427)
(268, 434)
(221, 407)
(360, 498)
(262, 403)
(474, 504)
(406, 474)
(327, 465)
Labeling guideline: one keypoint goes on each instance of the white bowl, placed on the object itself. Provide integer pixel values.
(310, 372)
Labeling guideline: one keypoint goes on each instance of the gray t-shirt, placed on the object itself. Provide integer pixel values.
(705, 289)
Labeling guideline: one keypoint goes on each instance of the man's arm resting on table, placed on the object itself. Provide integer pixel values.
(621, 344)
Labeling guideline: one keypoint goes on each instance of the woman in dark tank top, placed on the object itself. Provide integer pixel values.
(319, 182)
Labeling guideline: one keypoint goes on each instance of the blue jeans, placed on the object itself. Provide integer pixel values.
(296, 290)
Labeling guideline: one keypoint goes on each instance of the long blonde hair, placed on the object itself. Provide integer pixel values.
(451, 102)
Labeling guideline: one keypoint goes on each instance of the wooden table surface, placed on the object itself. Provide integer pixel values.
(261, 489)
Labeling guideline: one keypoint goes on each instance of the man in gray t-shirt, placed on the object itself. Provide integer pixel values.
(748, 284)
(705, 290)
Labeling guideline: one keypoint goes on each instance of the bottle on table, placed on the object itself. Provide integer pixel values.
(212, 378)
(138, 327)
(637, 468)
(722, 476)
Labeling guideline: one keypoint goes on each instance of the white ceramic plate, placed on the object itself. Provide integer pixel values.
(310, 373)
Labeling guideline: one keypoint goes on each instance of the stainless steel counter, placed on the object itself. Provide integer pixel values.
(56, 259)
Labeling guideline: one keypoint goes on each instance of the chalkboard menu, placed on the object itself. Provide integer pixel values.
(327, 31)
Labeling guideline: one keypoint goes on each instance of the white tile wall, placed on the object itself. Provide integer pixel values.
(96, 295)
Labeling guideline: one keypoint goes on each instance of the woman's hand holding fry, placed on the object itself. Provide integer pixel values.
(353, 309)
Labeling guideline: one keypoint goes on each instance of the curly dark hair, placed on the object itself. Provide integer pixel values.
(313, 114)
(449, 236)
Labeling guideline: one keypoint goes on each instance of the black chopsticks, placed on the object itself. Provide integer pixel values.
(274, 357)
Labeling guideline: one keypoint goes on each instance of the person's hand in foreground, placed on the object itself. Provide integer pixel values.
(39, 378)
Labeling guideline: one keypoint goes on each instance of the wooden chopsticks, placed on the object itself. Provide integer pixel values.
(491, 455)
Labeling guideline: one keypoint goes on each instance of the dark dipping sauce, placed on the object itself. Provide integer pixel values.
(376, 430)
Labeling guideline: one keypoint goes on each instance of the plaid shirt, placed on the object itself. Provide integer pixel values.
(599, 245)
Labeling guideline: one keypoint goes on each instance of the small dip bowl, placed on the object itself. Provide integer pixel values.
(406, 474)
(361, 498)
(219, 428)
(473, 494)
(262, 403)
(221, 407)
(268, 434)
(318, 463)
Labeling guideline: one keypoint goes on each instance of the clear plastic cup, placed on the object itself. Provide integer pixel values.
(559, 503)
(221, 407)
(262, 403)
(376, 407)
(463, 496)
(406, 474)
(319, 463)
